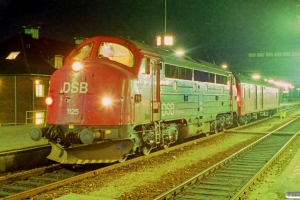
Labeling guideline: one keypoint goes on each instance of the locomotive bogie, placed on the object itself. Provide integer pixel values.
(191, 130)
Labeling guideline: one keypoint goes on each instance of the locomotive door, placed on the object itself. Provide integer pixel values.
(148, 85)
(231, 93)
(155, 89)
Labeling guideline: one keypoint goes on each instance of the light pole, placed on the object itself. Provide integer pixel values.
(165, 39)
(165, 17)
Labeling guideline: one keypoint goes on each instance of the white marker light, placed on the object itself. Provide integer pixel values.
(77, 66)
(49, 101)
(106, 101)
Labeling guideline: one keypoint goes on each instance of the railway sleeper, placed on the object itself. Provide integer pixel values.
(13, 188)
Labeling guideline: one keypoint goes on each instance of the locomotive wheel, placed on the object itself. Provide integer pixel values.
(123, 158)
(213, 128)
(216, 130)
(166, 146)
(222, 128)
(146, 150)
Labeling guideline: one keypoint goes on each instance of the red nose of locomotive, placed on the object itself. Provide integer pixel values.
(88, 94)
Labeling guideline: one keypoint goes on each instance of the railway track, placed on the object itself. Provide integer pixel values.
(230, 178)
(29, 186)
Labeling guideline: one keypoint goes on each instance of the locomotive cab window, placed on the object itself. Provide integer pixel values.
(116, 52)
(83, 52)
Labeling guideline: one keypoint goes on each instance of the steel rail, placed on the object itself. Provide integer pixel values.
(26, 174)
(181, 187)
(248, 185)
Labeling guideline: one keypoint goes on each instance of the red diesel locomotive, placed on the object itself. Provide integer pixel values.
(115, 97)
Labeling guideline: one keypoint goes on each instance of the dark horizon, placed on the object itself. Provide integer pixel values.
(214, 31)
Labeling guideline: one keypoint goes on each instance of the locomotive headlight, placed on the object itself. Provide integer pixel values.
(77, 66)
(49, 101)
(106, 101)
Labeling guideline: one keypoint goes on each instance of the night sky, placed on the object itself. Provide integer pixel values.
(212, 30)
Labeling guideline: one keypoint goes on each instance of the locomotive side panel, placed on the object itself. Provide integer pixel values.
(215, 100)
(178, 99)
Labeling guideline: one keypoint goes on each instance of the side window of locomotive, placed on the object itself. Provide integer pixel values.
(172, 71)
(204, 76)
(82, 52)
(221, 79)
(116, 52)
(185, 73)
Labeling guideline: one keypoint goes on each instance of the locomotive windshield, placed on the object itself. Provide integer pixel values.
(82, 53)
(116, 52)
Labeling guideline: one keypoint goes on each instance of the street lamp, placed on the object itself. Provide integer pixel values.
(165, 39)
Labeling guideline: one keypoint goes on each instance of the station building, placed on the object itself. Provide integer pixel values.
(26, 64)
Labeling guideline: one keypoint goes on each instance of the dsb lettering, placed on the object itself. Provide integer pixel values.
(75, 87)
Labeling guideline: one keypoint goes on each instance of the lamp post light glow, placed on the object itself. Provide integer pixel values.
(256, 76)
(224, 66)
(179, 52)
(165, 40)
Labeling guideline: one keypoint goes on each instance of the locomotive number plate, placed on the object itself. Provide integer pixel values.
(73, 111)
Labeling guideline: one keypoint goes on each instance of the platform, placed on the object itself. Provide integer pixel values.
(17, 137)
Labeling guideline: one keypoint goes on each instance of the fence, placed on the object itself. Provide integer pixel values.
(35, 117)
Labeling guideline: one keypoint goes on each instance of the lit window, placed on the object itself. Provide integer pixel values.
(12, 55)
(39, 118)
(58, 61)
(39, 89)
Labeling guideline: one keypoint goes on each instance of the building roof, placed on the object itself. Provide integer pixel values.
(36, 56)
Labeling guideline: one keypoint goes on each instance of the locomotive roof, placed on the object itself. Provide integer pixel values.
(169, 56)
(243, 79)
